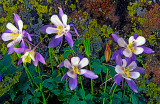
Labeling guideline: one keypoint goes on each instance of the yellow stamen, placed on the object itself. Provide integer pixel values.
(126, 71)
(27, 59)
(60, 29)
(131, 48)
(30, 56)
(75, 70)
(14, 36)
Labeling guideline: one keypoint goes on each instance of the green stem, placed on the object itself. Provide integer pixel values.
(50, 57)
(101, 77)
(26, 69)
(112, 94)
(105, 85)
(91, 79)
(81, 82)
(124, 87)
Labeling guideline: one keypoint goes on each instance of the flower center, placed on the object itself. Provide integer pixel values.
(28, 56)
(60, 29)
(131, 47)
(75, 70)
(14, 36)
(126, 71)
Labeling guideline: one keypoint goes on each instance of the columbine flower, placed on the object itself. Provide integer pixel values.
(14, 34)
(128, 71)
(75, 67)
(61, 28)
(134, 46)
(29, 55)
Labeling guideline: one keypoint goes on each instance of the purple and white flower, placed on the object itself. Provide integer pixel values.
(29, 55)
(75, 67)
(128, 71)
(134, 46)
(61, 28)
(15, 34)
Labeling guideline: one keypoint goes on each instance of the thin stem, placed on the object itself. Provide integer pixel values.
(26, 69)
(81, 82)
(112, 94)
(91, 79)
(101, 77)
(124, 87)
(105, 85)
(50, 57)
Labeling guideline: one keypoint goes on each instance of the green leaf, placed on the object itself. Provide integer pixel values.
(104, 68)
(6, 60)
(139, 59)
(35, 101)
(66, 54)
(125, 99)
(54, 74)
(142, 88)
(112, 72)
(56, 92)
(120, 95)
(37, 80)
(81, 102)
(82, 94)
(97, 67)
(89, 97)
(102, 59)
(135, 99)
(37, 94)
(26, 99)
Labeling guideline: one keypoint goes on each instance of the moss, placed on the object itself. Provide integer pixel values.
(3, 49)
(72, 6)
(14, 59)
(141, 20)
(152, 38)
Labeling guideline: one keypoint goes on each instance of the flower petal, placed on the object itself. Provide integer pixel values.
(56, 21)
(70, 74)
(132, 85)
(11, 49)
(119, 69)
(69, 39)
(119, 52)
(40, 58)
(131, 39)
(118, 60)
(64, 76)
(64, 19)
(35, 62)
(11, 43)
(19, 61)
(75, 61)
(1, 78)
(133, 65)
(127, 53)
(115, 37)
(147, 50)
(23, 45)
(134, 75)
(58, 36)
(121, 42)
(11, 27)
(139, 50)
(60, 12)
(19, 50)
(43, 29)
(140, 41)
(84, 62)
(6, 36)
(118, 78)
(54, 42)
(61, 64)
(67, 64)
(135, 36)
(88, 74)
(129, 60)
(25, 33)
(73, 83)
(50, 30)
(124, 63)
(139, 69)
(74, 29)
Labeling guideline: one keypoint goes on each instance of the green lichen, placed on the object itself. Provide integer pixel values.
(72, 6)
(152, 38)
(3, 49)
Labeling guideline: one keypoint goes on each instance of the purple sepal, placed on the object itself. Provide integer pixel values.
(74, 29)
(118, 78)
(147, 50)
(22, 44)
(132, 85)
(40, 58)
(118, 60)
(139, 69)
(11, 49)
(90, 74)
(61, 13)
(16, 19)
(54, 42)
(19, 61)
(119, 52)
(35, 63)
(43, 29)
(73, 82)
(64, 76)
(1, 78)
(135, 36)
(115, 37)
(61, 64)
(69, 39)
(7, 31)
(26, 34)
(129, 60)
(19, 50)
(80, 56)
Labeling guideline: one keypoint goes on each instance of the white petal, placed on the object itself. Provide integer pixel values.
(56, 21)
(84, 62)
(133, 65)
(82, 71)
(67, 64)
(126, 77)
(127, 53)
(119, 69)
(50, 30)
(134, 75)
(69, 73)
(58, 36)
(131, 39)
(139, 50)
(32, 56)
(124, 63)
(6, 36)
(121, 42)
(11, 43)
(64, 19)
(11, 27)
(75, 61)
(20, 24)
(140, 41)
